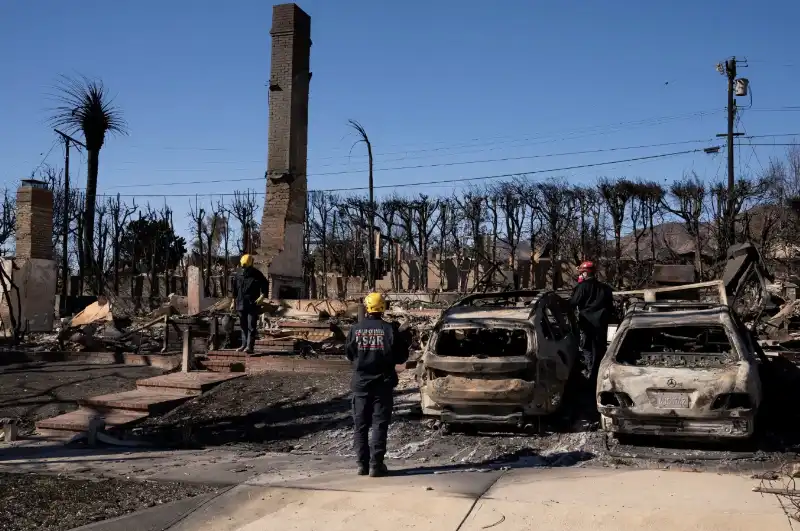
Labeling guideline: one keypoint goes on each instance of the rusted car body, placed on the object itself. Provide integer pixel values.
(680, 369)
(498, 358)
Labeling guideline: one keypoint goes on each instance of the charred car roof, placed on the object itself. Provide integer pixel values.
(507, 306)
(657, 315)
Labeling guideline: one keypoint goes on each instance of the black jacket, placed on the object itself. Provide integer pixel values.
(248, 284)
(375, 347)
(595, 301)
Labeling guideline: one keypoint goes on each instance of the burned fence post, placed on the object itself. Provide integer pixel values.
(214, 335)
(186, 360)
(96, 425)
(10, 430)
(165, 347)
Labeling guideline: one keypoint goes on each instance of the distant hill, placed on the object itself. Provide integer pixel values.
(672, 239)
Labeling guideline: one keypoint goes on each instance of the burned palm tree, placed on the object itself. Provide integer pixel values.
(84, 105)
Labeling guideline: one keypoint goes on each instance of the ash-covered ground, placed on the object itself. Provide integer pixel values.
(310, 413)
(56, 503)
(39, 390)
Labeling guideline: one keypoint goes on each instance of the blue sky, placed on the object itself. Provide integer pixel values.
(433, 83)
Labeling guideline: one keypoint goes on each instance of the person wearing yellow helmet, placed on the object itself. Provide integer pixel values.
(374, 347)
(250, 287)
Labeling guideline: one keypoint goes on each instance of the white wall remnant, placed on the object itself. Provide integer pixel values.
(196, 299)
(35, 296)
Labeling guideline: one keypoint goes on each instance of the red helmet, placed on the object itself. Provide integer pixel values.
(587, 266)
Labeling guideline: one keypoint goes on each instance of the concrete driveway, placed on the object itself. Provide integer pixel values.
(263, 491)
(520, 499)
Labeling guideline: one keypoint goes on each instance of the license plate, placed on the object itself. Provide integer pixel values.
(672, 400)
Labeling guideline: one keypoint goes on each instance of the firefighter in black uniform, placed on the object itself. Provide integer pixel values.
(250, 288)
(595, 304)
(374, 347)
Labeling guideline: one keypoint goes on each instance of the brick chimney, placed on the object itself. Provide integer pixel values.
(34, 220)
(281, 253)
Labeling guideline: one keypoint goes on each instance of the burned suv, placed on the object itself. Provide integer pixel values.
(498, 357)
(680, 369)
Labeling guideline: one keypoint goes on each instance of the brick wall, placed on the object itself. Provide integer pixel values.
(288, 131)
(34, 222)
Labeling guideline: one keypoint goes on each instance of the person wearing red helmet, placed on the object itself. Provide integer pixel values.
(594, 302)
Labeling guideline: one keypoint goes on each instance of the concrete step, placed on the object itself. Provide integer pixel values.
(78, 421)
(224, 366)
(151, 401)
(187, 383)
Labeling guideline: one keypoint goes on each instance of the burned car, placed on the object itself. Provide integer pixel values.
(680, 369)
(498, 358)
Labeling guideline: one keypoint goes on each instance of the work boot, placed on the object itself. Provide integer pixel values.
(241, 349)
(363, 469)
(249, 351)
(379, 470)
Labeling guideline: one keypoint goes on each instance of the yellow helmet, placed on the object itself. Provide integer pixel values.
(246, 260)
(375, 303)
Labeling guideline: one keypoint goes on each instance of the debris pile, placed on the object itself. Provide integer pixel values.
(307, 338)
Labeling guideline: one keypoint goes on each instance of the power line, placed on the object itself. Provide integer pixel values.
(590, 130)
(45, 157)
(483, 140)
(435, 165)
(496, 148)
(447, 181)
(768, 144)
(526, 173)
(790, 108)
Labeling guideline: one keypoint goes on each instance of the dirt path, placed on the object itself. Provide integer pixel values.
(35, 391)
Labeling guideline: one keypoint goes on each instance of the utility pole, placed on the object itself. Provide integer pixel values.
(65, 216)
(728, 69)
(371, 241)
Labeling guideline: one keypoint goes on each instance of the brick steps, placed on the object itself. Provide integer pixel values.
(150, 401)
(275, 341)
(223, 366)
(75, 422)
(190, 383)
(120, 410)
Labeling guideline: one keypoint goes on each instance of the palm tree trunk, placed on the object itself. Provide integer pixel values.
(91, 199)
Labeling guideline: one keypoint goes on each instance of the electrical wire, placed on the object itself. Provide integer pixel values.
(769, 136)
(768, 144)
(752, 149)
(447, 181)
(421, 166)
(790, 108)
(482, 141)
(52, 147)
